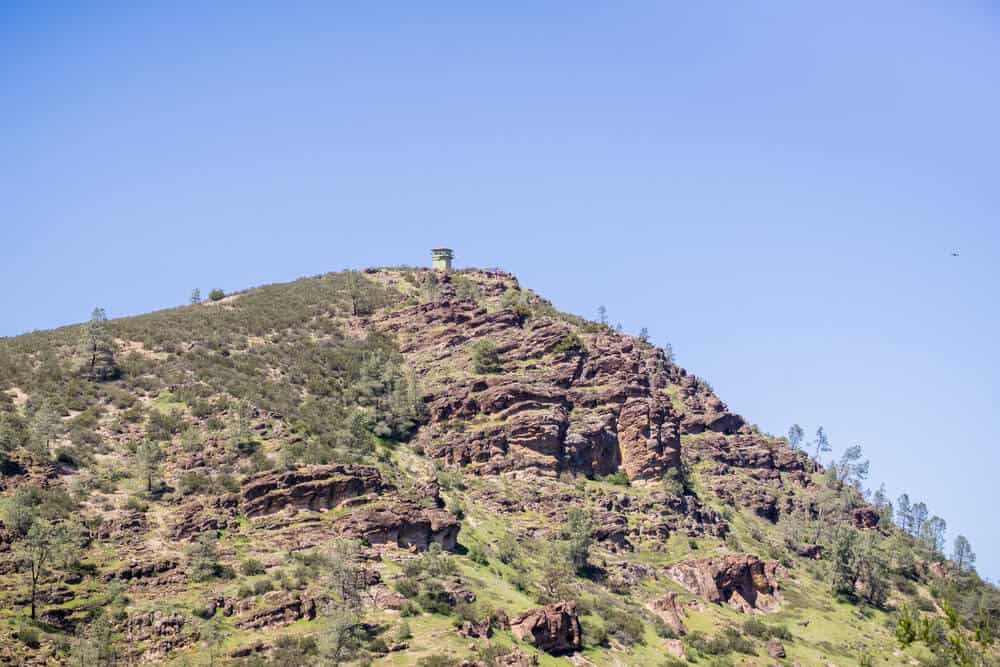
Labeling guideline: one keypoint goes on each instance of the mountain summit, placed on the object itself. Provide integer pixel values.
(436, 467)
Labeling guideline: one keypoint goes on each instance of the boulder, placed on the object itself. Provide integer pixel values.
(482, 629)
(670, 612)
(553, 628)
(775, 648)
(743, 581)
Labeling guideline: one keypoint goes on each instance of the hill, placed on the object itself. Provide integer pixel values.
(408, 466)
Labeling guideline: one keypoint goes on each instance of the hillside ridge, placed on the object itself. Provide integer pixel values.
(416, 466)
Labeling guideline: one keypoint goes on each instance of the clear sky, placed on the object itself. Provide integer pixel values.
(775, 188)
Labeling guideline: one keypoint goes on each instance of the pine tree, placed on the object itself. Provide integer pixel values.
(919, 518)
(149, 455)
(46, 426)
(795, 436)
(904, 514)
(851, 470)
(932, 533)
(97, 348)
(821, 443)
(963, 555)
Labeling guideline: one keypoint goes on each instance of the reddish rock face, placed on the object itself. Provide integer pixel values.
(553, 628)
(742, 580)
(649, 444)
(589, 412)
(309, 487)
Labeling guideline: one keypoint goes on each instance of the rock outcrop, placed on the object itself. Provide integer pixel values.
(136, 570)
(866, 517)
(313, 487)
(593, 407)
(744, 581)
(404, 523)
(553, 628)
(279, 609)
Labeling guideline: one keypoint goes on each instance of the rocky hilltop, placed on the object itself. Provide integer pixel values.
(409, 466)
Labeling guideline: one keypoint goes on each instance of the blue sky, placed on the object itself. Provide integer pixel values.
(774, 188)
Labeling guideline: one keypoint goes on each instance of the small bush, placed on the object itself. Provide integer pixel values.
(28, 637)
(216, 294)
(618, 477)
(728, 641)
(477, 555)
(408, 588)
(485, 358)
(757, 628)
(594, 633)
(508, 549)
(251, 567)
(205, 611)
(570, 343)
(136, 504)
(193, 483)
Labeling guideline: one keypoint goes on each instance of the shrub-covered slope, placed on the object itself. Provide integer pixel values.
(404, 466)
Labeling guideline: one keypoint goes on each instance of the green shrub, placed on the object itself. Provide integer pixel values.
(408, 588)
(729, 640)
(485, 358)
(433, 599)
(251, 567)
(136, 504)
(594, 634)
(571, 342)
(618, 477)
(757, 628)
(477, 555)
(626, 627)
(192, 483)
(378, 645)
(508, 549)
(28, 637)
(216, 294)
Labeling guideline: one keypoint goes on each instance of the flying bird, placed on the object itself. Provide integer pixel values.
(954, 253)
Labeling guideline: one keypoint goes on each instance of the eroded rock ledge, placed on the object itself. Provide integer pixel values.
(744, 581)
(313, 487)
